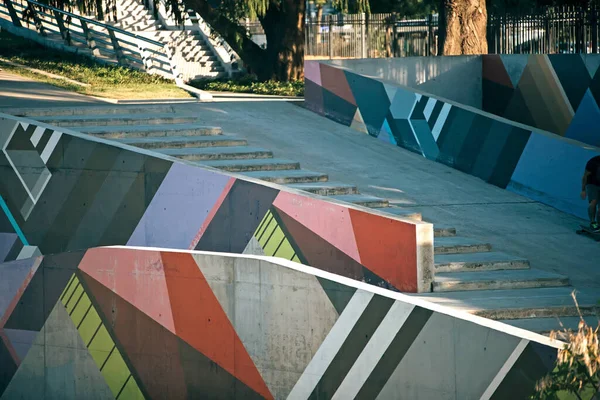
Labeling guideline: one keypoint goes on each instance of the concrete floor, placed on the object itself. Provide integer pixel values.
(17, 91)
(511, 223)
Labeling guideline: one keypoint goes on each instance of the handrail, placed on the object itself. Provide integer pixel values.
(93, 22)
(123, 49)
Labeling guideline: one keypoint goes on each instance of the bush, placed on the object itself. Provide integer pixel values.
(577, 372)
(249, 84)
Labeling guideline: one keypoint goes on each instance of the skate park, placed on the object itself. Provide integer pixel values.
(289, 219)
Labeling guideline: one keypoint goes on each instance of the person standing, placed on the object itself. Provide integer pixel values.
(590, 187)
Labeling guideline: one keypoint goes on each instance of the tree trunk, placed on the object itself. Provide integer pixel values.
(284, 28)
(319, 19)
(283, 59)
(463, 25)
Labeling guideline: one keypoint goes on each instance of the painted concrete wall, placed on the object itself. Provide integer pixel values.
(64, 191)
(123, 322)
(559, 93)
(541, 166)
(436, 75)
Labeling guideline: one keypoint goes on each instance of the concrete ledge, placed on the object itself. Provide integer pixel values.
(368, 246)
(289, 324)
(201, 95)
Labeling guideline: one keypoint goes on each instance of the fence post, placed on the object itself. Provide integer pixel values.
(117, 48)
(594, 28)
(394, 34)
(37, 21)
(430, 36)
(330, 35)
(363, 34)
(89, 38)
(64, 32)
(178, 77)
(13, 14)
(145, 59)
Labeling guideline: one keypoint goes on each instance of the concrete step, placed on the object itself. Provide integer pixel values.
(326, 188)
(456, 245)
(403, 213)
(178, 142)
(441, 230)
(518, 303)
(272, 164)
(111, 120)
(288, 176)
(487, 261)
(139, 131)
(218, 153)
(544, 326)
(90, 110)
(496, 280)
(362, 200)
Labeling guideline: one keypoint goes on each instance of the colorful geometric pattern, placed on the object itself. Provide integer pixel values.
(498, 151)
(132, 323)
(91, 193)
(559, 93)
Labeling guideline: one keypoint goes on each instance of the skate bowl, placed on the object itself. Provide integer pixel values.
(63, 191)
(537, 164)
(127, 322)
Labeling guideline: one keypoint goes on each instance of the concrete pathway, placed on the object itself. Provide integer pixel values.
(511, 223)
(18, 91)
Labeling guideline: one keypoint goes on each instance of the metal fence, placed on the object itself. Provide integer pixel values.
(549, 30)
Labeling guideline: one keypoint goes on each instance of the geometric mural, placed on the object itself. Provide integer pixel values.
(61, 192)
(502, 153)
(559, 93)
(134, 323)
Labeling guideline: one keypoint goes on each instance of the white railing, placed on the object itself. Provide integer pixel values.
(230, 60)
(95, 39)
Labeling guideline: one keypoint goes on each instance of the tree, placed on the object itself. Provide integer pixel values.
(462, 27)
(282, 22)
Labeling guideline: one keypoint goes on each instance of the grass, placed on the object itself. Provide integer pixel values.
(249, 84)
(104, 81)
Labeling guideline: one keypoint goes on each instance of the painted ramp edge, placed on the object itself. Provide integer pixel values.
(539, 165)
(150, 323)
(63, 191)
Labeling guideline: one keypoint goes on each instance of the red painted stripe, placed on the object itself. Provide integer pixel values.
(212, 213)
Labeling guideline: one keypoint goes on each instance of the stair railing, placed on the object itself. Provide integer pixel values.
(58, 28)
(230, 60)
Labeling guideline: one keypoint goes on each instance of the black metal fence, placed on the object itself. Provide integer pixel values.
(549, 30)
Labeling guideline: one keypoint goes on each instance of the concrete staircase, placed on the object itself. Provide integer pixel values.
(469, 274)
(193, 56)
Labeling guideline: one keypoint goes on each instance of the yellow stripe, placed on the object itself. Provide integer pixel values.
(131, 391)
(101, 346)
(285, 251)
(267, 233)
(274, 242)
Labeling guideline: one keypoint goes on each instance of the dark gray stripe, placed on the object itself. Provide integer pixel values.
(520, 381)
(354, 344)
(394, 353)
(44, 141)
(435, 114)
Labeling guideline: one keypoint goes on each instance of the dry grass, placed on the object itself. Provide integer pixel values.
(577, 371)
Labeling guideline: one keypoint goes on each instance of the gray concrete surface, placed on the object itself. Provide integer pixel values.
(435, 75)
(511, 223)
(17, 91)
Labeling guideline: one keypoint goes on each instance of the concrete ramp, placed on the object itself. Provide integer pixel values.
(63, 191)
(122, 322)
